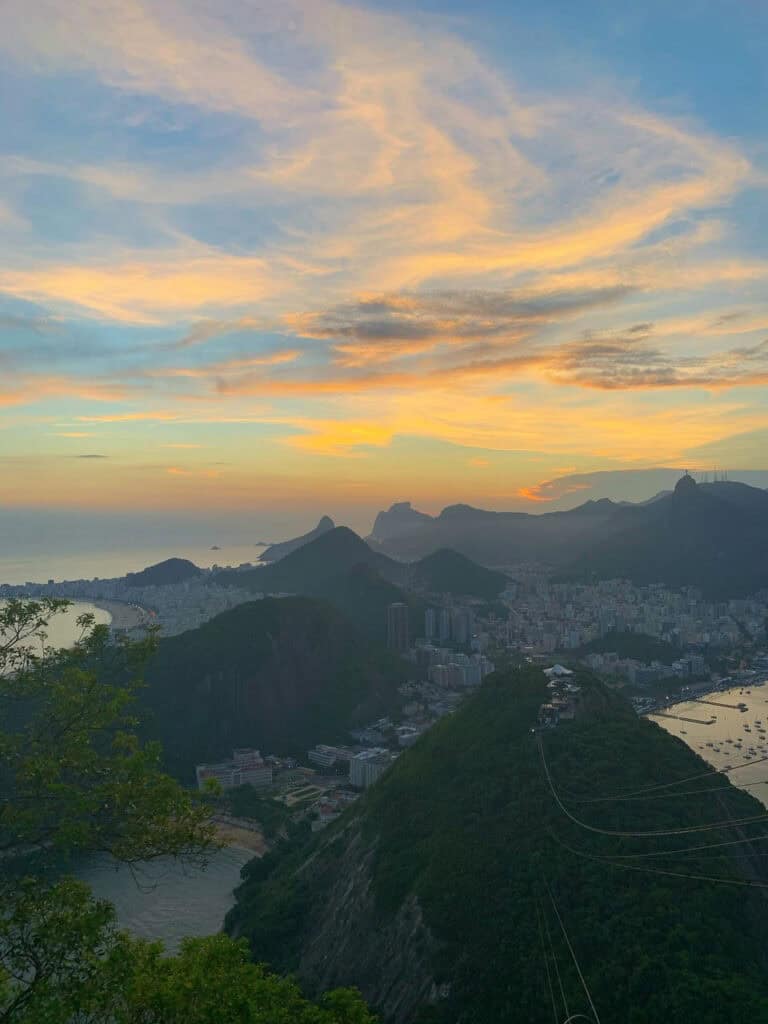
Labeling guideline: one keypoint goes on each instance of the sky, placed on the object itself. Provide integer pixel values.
(317, 256)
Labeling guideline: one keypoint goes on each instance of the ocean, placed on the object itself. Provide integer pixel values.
(39, 567)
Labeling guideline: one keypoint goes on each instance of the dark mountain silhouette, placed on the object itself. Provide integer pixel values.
(329, 554)
(711, 536)
(448, 572)
(280, 675)
(172, 570)
(502, 538)
(277, 551)
(341, 568)
(399, 519)
(432, 894)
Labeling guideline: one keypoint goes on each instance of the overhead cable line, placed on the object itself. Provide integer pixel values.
(555, 961)
(669, 796)
(573, 954)
(669, 785)
(645, 834)
(546, 965)
(744, 883)
(688, 849)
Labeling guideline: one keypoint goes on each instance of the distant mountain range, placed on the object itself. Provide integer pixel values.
(276, 674)
(440, 893)
(709, 535)
(341, 568)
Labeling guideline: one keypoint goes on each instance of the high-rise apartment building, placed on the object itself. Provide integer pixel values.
(397, 627)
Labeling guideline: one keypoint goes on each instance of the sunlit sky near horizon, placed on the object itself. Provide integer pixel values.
(323, 256)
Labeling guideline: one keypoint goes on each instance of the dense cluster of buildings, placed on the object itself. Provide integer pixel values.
(176, 607)
(638, 673)
(455, 623)
(545, 617)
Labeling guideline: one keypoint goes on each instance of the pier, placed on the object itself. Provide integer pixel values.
(719, 704)
(682, 718)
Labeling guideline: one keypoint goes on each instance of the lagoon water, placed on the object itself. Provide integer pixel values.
(725, 736)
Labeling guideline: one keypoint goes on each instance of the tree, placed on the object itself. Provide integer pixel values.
(74, 779)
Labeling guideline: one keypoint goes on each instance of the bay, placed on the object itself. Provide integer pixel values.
(63, 629)
(164, 900)
(161, 900)
(725, 736)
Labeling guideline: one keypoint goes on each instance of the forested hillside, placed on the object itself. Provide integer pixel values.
(439, 894)
(279, 674)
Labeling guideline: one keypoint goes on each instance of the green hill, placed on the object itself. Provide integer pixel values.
(448, 572)
(433, 893)
(639, 646)
(278, 674)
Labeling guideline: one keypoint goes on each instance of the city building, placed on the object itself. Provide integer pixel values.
(397, 627)
(247, 768)
(329, 757)
(369, 765)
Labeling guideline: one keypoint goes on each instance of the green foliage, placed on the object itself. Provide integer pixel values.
(639, 646)
(465, 822)
(83, 969)
(73, 775)
(75, 778)
(212, 981)
(272, 815)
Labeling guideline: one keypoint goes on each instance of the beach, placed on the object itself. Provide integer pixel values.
(241, 838)
(124, 616)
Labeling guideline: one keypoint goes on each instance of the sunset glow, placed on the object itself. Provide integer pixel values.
(334, 255)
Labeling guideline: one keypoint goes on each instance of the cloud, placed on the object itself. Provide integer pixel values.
(384, 326)
(384, 235)
(630, 362)
(91, 456)
(145, 290)
(550, 490)
(230, 366)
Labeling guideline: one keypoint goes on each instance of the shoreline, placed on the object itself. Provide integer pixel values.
(741, 686)
(242, 838)
(123, 615)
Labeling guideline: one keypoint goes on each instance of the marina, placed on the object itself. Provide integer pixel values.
(736, 739)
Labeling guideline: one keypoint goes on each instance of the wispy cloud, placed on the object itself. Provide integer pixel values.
(354, 210)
